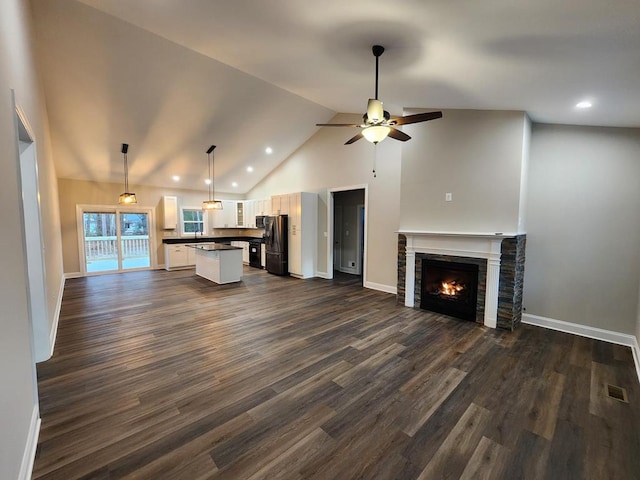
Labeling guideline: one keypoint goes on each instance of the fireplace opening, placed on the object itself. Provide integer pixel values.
(450, 288)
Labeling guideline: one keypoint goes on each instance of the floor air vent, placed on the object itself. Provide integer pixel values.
(617, 393)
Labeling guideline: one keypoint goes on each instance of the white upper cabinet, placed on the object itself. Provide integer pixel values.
(227, 217)
(170, 212)
(280, 205)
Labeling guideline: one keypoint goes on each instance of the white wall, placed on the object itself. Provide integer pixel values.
(18, 397)
(478, 157)
(583, 240)
(325, 162)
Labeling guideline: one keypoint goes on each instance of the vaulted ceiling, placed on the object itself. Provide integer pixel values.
(170, 78)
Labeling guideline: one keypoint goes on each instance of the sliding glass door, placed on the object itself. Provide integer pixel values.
(134, 240)
(114, 240)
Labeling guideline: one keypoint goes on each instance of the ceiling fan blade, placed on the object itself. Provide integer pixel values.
(418, 117)
(354, 139)
(398, 135)
(337, 125)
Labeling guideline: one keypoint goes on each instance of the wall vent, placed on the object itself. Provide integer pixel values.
(617, 393)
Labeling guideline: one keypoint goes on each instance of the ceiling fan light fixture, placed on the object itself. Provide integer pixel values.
(376, 133)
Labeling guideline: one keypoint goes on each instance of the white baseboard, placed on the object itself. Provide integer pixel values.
(56, 317)
(67, 276)
(324, 275)
(589, 332)
(29, 455)
(383, 288)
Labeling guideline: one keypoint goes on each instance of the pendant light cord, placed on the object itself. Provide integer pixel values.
(126, 173)
(210, 180)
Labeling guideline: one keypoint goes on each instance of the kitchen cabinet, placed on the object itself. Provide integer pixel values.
(227, 217)
(170, 212)
(240, 214)
(245, 250)
(249, 213)
(303, 233)
(280, 205)
(263, 255)
(178, 255)
(218, 263)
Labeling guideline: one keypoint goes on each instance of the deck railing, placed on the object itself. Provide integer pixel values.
(107, 247)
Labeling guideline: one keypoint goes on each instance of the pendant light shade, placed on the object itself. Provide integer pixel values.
(211, 204)
(126, 198)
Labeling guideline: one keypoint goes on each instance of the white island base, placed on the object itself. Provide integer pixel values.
(219, 263)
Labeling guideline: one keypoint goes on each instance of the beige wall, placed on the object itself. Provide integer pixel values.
(475, 155)
(324, 162)
(583, 241)
(18, 395)
(81, 192)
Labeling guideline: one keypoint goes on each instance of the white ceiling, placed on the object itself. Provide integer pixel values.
(157, 74)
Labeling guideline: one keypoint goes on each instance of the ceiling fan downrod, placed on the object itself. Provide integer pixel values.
(377, 51)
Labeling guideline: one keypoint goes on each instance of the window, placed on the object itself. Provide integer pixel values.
(193, 221)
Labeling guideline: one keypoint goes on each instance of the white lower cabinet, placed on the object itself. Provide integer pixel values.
(245, 250)
(178, 255)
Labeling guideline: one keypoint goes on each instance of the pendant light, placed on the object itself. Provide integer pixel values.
(211, 204)
(126, 198)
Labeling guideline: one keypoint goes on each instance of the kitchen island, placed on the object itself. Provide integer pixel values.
(218, 263)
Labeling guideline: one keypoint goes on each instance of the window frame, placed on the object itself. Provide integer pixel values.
(184, 222)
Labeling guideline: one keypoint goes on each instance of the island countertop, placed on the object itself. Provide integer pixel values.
(213, 247)
(203, 239)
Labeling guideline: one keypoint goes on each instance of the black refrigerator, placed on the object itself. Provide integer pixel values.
(276, 244)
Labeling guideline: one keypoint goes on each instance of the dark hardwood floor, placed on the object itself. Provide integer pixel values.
(164, 375)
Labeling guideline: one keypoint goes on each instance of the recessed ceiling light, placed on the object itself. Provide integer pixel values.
(269, 150)
(249, 169)
(207, 181)
(584, 104)
(234, 184)
(176, 178)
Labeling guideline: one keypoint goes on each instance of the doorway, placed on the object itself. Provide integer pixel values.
(33, 240)
(114, 240)
(348, 228)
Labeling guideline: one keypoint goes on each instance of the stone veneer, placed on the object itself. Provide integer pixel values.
(512, 255)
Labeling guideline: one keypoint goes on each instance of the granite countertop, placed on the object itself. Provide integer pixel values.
(210, 239)
(214, 247)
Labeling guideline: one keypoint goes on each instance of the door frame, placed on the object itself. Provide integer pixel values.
(83, 208)
(330, 233)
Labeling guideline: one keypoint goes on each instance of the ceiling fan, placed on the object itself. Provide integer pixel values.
(377, 123)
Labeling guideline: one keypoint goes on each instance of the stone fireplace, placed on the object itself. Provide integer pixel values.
(497, 259)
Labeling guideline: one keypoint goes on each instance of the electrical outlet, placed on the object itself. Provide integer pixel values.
(448, 197)
(353, 264)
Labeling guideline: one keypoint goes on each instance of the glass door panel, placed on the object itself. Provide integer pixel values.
(134, 240)
(100, 241)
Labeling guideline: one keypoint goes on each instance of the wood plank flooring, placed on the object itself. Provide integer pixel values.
(164, 375)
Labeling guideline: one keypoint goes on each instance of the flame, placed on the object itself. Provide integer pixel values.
(451, 288)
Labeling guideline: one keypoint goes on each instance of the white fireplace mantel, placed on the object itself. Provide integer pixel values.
(470, 245)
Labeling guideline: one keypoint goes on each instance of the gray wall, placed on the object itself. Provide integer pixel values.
(475, 155)
(583, 233)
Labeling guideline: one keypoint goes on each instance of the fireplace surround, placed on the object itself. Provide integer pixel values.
(500, 260)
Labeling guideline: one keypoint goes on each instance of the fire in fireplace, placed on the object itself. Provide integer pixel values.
(450, 288)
